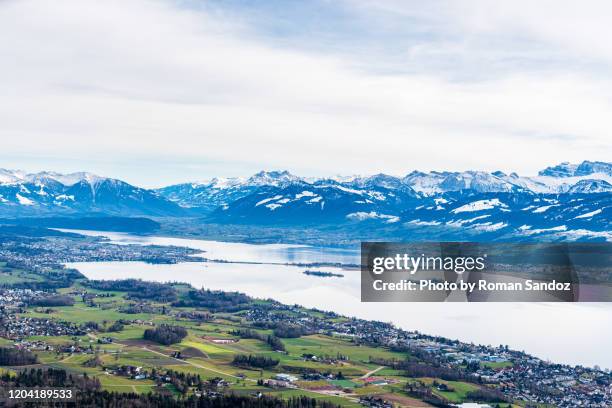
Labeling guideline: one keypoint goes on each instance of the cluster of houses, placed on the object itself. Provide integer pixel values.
(34, 345)
(375, 402)
(16, 328)
(44, 255)
(41, 345)
(567, 387)
(281, 381)
(338, 359)
(518, 375)
(133, 372)
(16, 299)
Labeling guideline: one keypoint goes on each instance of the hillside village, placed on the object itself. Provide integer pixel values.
(515, 375)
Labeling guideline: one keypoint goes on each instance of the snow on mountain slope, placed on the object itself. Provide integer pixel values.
(272, 178)
(550, 185)
(434, 205)
(590, 186)
(477, 181)
(18, 176)
(492, 205)
(425, 183)
(515, 216)
(54, 193)
(564, 169)
(558, 179)
(583, 169)
(322, 202)
(360, 216)
(66, 179)
(440, 182)
(553, 180)
(480, 205)
(10, 176)
(219, 192)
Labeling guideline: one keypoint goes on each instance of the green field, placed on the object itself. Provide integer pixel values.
(10, 276)
(494, 365)
(203, 353)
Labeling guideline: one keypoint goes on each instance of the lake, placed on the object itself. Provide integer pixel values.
(573, 333)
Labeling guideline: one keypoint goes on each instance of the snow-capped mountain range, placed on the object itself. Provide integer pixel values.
(49, 193)
(588, 177)
(209, 195)
(567, 201)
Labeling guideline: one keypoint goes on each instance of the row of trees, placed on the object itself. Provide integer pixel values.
(274, 342)
(416, 370)
(215, 301)
(48, 378)
(422, 391)
(486, 395)
(182, 382)
(16, 357)
(89, 394)
(289, 331)
(284, 330)
(166, 334)
(53, 301)
(117, 326)
(137, 289)
(242, 360)
(426, 366)
(133, 400)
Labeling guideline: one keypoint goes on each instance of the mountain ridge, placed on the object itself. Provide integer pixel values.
(423, 183)
(567, 200)
(26, 194)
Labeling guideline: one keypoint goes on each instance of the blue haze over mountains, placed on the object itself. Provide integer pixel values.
(564, 202)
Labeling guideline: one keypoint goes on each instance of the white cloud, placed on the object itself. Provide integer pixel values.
(143, 78)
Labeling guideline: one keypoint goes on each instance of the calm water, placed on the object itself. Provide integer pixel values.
(562, 332)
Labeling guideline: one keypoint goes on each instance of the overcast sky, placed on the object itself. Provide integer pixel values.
(156, 92)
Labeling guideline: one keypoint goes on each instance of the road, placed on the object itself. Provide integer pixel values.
(234, 376)
(371, 373)
(191, 363)
(247, 379)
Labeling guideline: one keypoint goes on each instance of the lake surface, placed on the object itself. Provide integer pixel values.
(573, 333)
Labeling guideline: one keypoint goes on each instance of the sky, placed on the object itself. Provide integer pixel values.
(157, 92)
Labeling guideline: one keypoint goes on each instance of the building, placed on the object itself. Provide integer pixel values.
(285, 377)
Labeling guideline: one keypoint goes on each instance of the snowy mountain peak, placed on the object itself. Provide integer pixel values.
(11, 176)
(439, 182)
(564, 169)
(590, 186)
(585, 168)
(272, 178)
(221, 183)
(18, 176)
(380, 180)
(553, 180)
(475, 180)
(426, 183)
(576, 201)
(66, 179)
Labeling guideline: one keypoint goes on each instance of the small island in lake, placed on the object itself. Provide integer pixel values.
(324, 274)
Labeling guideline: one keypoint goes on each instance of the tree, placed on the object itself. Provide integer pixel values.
(166, 334)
